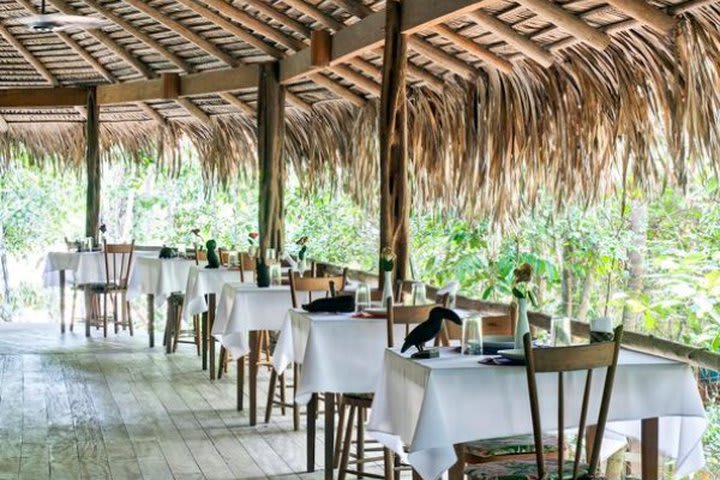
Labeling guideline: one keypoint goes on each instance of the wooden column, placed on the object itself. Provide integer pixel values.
(394, 195)
(271, 132)
(92, 164)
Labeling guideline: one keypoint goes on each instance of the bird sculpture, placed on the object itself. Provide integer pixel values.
(430, 328)
(212, 255)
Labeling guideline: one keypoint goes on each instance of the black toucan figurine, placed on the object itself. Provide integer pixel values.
(430, 328)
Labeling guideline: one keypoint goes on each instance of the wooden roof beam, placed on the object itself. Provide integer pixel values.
(568, 22)
(194, 110)
(252, 23)
(28, 56)
(442, 58)
(183, 31)
(357, 79)
(315, 13)
(473, 48)
(138, 34)
(368, 34)
(152, 114)
(646, 14)
(297, 101)
(510, 36)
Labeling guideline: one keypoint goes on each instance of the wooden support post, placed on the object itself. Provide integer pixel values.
(271, 132)
(320, 48)
(92, 163)
(394, 196)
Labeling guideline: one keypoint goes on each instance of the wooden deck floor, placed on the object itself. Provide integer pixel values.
(75, 408)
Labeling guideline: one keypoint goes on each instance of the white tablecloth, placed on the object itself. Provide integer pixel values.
(81, 267)
(429, 405)
(338, 353)
(159, 277)
(243, 307)
(202, 281)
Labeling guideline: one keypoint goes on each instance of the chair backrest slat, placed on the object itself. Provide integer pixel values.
(405, 315)
(568, 359)
(119, 255)
(329, 285)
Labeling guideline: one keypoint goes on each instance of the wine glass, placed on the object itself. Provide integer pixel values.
(275, 275)
(472, 336)
(560, 332)
(362, 297)
(418, 294)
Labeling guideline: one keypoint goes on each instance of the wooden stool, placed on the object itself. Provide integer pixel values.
(357, 406)
(174, 334)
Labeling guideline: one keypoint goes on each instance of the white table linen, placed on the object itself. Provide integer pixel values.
(80, 267)
(159, 277)
(338, 353)
(430, 405)
(243, 307)
(203, 281)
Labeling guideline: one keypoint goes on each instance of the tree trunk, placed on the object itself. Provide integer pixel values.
(636, 259)
(568, 280)
(92, 164)
(585, 295)
(128, 220)
(394, 195)
(6, 307)
(271, 132)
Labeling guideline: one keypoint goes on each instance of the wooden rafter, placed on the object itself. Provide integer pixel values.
(237, 103)
(359, 80)
(183, 31)
(194, 110)
(442, 58)
(138, 34)
(297, 101)
(315, 13)
(4, 126)
(568, 22)
(338, 89)
(278, 16)
(646, 14)
(252, 23)
(511, 37)
(109, 43)
(28, 56)
(471, 47)
(152, 114)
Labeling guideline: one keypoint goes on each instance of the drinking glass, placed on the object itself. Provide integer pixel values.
(560, 332)
(233, 258)
(362, 297)
(472, 336)
(270, 255)
(417, 293)
(182, 250)
(275, 275)
(601, 330)
(88, 244)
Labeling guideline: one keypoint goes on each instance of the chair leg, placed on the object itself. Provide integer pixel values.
(88, 297)
(271, 395)
(128, 314)
(176, 327)
(196, 330)
(240, 382)
(347, 444)
(222, 362)
(296, 408)
(104, 315)
(283, 399)
(72, 310)
(339, 432)
(117, 321)
(388, 464)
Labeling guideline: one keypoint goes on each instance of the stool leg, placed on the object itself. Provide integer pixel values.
(240, 382)
(296, 409)
(177, 326)
(388, 464)
(283, 400)
(347, 445)
(196, 331)
(222, 362)
(338, 435)
(360, 443)
(271, 395)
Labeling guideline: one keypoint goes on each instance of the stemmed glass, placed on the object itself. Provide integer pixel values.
(560, 332)
(418, 294)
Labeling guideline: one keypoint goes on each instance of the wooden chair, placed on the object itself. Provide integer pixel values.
(560, 360)
(247, 264)
(359, 403)
(118, 260)
(327, 285)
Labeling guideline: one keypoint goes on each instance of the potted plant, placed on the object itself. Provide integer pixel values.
(387, 265)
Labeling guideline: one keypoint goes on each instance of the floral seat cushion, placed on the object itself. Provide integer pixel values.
(517, 445)
(526, 470)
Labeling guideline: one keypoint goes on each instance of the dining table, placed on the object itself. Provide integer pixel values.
(243, 310)
(77, 268)
(339, 353)
(158, 278)
(202, 287)
(424, 409)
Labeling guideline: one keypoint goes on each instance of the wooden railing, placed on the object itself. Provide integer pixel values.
(696, 356)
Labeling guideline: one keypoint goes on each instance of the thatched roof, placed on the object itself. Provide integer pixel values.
(506, 97)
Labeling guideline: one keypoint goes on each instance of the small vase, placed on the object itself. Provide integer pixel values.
(262, 273)
(388, 288)
(521, 326)
(301, 267)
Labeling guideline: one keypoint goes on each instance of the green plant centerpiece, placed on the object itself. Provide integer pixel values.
(302, 254)
(522, 291)
(262, 268)
(387, 265)
(212, 254)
